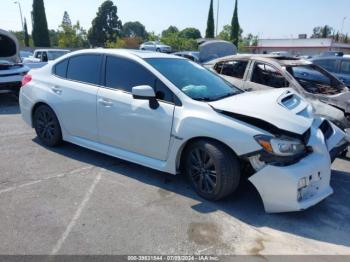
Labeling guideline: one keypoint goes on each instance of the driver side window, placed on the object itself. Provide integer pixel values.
(124, 74)
(267, 75)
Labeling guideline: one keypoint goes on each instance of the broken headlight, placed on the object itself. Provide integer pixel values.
(283, 146)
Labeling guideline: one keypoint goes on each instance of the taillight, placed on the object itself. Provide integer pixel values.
(26, 79)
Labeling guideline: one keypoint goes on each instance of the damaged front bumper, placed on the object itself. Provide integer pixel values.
(304, 184)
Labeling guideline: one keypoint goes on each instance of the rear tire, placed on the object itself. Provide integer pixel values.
(47, 126)
(212, 169)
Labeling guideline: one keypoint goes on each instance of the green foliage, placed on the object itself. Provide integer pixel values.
(134, 29)
(26, 35)
(190, 33)
(235, 28)
(53, 37)
(179, 43)
(40, 32)
(106, 26)
(322, 32)
(225, 34)
(151, 36)
(210, 23)
(120, 43)
(171, 30)
(66, 20)
(72, 36)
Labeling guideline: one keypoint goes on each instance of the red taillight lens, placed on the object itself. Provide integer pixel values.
(26, 79)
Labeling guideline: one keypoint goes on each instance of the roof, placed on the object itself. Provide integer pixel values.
(281, 60)
(51, 49)
(128, 52)
(300, 43)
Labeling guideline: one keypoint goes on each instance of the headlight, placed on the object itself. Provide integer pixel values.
(281, 146)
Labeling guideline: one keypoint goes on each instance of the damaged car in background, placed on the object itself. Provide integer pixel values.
(173, 115)
(328, 95)
(11, 68)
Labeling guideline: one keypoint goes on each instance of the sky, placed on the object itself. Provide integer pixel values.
(265, 18)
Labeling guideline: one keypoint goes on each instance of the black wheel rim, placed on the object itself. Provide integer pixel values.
(202, 171)
(45, 125)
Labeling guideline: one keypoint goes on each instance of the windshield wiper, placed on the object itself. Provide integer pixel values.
(206, 99)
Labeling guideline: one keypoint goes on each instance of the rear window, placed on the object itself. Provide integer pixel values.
(85, 68)
(61, 69)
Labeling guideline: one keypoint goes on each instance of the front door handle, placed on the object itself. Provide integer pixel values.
(105, 102)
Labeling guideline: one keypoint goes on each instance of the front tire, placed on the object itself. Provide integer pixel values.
(212, 169)
(47, 126)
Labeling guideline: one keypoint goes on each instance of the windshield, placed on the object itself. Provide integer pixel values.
(315, 80)
(52, 55)
(194, 80)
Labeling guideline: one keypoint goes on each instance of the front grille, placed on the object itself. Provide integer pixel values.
(326, 129)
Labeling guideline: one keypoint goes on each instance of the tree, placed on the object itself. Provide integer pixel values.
(40, 32)
(106, 26)
(326, 31)
(134, 29)
(72, 36)
(322, 32)
(210, 23)
(66, 20)
(26, 35)
(235, 28)
(171, 30)
(190, 33)
(225, 34)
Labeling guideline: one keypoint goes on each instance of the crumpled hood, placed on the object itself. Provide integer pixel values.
(282, 108)
(9, 47)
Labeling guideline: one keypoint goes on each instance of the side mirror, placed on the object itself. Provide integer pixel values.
(143, 92)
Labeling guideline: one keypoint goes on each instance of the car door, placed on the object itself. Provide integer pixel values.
(233, 71)
(75, 86)
(264, 76)
(131, 124)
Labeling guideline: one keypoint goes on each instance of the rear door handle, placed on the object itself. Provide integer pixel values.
(57, 90)
(105, 102)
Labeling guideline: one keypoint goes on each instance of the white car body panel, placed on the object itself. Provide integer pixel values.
(116, 124)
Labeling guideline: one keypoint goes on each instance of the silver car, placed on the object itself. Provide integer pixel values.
(156, 46)
(329, 96)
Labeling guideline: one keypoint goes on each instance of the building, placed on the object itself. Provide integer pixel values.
(300, 46)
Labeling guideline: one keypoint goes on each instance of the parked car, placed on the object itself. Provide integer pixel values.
(339, 66)
(192, 55)
(11, 68)
(155, 46)
(25, 54)
(209, 50)
(171, 114)
(331, 53)
(329, 96)
(42, 56)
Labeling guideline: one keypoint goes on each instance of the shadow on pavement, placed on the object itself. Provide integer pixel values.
(9, 104)
(327, 222)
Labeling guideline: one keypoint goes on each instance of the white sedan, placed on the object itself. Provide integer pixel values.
(173, 115)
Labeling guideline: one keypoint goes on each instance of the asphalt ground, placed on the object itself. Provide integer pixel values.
(70, 200)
